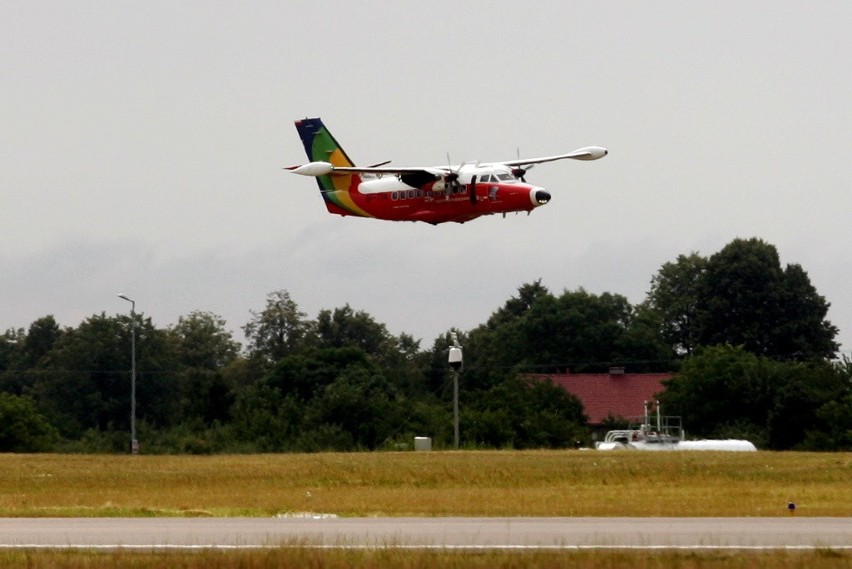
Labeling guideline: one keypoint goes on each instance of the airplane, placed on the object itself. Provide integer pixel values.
(432, 194)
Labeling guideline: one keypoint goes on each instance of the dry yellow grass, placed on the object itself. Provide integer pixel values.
(489, 483)
(390, 559)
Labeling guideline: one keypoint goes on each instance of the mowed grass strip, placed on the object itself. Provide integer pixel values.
(461, 483)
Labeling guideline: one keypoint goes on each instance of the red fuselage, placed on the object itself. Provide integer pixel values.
(388, 197)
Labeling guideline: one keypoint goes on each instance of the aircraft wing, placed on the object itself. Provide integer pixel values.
(326, 168)
(586, 153)
(390, 170)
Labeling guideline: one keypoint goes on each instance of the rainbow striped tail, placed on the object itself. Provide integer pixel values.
(320, 146)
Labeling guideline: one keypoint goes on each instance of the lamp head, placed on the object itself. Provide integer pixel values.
(128, 299)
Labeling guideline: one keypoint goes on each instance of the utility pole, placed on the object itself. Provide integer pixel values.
(455, 361)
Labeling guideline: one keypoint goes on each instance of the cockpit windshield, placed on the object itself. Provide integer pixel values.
(497, 176)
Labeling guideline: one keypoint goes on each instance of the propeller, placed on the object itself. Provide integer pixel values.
(519, 172)
(452, 176)
(472, 190)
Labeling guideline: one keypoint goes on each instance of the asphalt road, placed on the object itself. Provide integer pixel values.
(455, 533)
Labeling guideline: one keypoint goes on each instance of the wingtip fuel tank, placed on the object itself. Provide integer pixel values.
(314, 169)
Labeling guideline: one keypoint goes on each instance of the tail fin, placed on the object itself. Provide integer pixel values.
(321, 146)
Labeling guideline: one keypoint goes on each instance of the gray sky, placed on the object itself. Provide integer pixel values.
(141, 147)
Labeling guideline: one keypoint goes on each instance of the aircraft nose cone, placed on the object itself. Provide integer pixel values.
(542, 197)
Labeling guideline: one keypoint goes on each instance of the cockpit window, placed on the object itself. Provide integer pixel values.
(505, 176)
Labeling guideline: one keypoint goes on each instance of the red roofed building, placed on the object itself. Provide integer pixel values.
(616, 393)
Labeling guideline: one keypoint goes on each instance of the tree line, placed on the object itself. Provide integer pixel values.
(748, 338)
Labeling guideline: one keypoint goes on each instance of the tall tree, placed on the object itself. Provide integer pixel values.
(747, 299)
(12, 379)
(204, 348)
(517, 306)
(84, 382)
(329, 398)
(674, 296)
(22, 427)
(522, 413)
(742, 296)
(725, 391)
(203, 341)
(279, 330)
(40, 339)
(803, 332)
(722, 392)
(344, 327)
(578, 331)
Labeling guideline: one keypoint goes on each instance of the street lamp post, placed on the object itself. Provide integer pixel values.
(134, 444)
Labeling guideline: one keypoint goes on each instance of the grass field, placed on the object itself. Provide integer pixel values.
(488, 483)
(504, 483)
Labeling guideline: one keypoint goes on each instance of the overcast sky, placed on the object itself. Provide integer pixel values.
(142, 146)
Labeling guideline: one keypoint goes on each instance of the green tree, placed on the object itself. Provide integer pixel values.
(279, 330)
(267, 420)
(725, 391)
(537, 332)
(203, 341)
(720, 389)
(343, 327)
(521, 413)
(642, 347)
(41, 336)
(21, 351)
(22, 427)
(578, 331)
(321, 399)
(488, 359)
(398, 356)
(407, 366)
(674, 295)
(84, 382)
(836, 416)
(517, 306)
(747, 299)
(741, 296)
(803, 332)
(204, 348)
(360, 402)
(11, 378)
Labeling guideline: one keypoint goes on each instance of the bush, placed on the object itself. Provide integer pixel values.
(22, 427)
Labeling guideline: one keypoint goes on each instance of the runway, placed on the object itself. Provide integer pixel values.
(428, 533)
